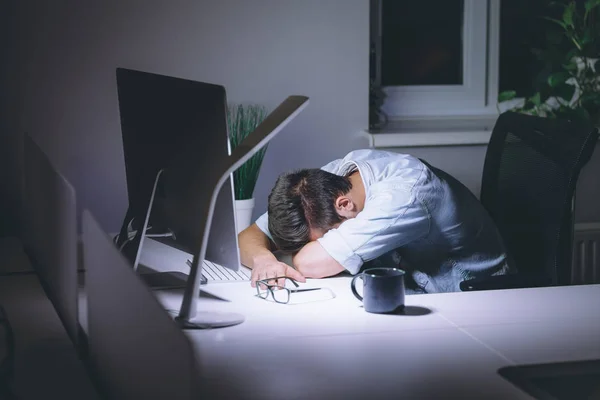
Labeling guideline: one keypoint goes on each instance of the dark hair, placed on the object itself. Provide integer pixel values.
(302, 200)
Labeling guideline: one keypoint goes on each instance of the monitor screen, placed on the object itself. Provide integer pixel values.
(178, 126)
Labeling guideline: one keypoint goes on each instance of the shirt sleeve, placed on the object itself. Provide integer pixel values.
(333, 166)
(389, 220)
(263, 224)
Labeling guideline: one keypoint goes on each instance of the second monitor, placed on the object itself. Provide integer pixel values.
(163, 120)
(192, 185)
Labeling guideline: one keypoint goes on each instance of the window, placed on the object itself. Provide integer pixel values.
(436, 57)
(518, 64)
(433, 43)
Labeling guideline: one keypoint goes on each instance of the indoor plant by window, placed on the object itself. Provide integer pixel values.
(242, 119)
(568, 85)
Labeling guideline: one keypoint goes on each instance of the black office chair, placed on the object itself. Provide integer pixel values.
(529, 179)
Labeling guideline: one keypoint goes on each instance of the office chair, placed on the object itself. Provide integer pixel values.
(529, 179)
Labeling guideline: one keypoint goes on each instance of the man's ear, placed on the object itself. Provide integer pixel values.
(345, 207)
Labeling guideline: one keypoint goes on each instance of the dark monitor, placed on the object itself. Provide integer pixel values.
(191, 185)
(136, 351)
(50, 233)
(557, 381)
(164, 121)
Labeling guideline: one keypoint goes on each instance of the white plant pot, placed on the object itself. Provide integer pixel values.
(243, 213)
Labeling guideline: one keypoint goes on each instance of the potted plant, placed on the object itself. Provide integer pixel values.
(242, 119)
(568, 86)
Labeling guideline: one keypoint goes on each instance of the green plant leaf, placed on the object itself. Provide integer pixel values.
(558, 78)
(597, 66)
(567, 16)
(536, 99)
(571, 66)
(581, 113)
(562, 24)
(506, 95)
(565, 91)
(241, 121)
(591, 100)
(591, 4)
(571, 54)
(588, 38)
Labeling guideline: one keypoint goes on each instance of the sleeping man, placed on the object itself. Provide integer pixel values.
(375, 208)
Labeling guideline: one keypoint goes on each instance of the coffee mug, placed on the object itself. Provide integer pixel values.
(383, 289)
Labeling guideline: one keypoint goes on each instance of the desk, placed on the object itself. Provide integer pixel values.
(46, 364)
(451, 345)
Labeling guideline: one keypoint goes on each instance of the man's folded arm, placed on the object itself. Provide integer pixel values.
(313, 261)
(386, 223)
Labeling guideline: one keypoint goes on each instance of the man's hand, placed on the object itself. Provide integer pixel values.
(255, 253)
(272, 269)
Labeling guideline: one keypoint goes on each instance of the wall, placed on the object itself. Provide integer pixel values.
(59, 83)
(63, 88)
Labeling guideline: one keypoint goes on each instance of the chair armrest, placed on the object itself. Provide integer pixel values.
(510, 281)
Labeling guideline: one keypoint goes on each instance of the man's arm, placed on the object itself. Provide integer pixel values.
(313, 261)
(256, 254)
(254, 246)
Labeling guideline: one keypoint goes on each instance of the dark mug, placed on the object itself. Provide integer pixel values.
(383, 289)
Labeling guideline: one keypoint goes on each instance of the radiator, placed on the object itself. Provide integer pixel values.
(586, 254)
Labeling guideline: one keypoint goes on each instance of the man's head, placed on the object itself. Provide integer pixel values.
(305, 204)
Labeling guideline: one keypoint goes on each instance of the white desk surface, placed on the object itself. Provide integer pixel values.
(448, 346)
(46, 364)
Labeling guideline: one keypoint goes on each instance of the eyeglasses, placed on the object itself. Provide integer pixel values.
(281, 294)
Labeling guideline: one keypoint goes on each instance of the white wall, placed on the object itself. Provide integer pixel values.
(63, 91)
(58, 77)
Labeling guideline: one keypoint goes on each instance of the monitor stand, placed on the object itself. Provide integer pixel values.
(179, 280)
(189, 317)
(209, 319)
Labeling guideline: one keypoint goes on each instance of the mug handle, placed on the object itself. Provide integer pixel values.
(353, 286)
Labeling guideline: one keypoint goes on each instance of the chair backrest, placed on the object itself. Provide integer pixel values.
(529, 178)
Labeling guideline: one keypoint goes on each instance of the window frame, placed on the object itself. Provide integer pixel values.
(479, 91)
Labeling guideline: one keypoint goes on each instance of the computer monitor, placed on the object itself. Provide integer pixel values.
(136, 351)
(193, 187)
(192, 183)
(50, 233)
(164, 119)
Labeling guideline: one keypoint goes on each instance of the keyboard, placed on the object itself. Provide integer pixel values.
(212, 272)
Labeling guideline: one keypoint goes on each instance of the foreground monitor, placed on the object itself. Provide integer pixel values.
(136, 351)
(50, 232)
